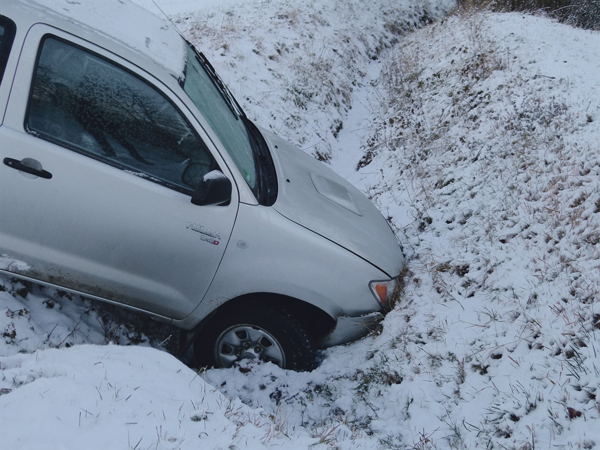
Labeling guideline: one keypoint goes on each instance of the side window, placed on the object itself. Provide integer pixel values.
(7, 35)
(88, 104)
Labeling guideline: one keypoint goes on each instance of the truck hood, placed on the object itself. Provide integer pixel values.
(315, 197)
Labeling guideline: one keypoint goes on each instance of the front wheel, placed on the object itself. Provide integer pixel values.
(263, 334)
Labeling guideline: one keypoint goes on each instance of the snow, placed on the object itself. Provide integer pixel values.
(151, 35)
(174, 7)
(7, 263)
(120, 397)
(214, 175)
(477, 137)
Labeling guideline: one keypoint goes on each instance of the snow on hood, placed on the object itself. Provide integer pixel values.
(129, 24)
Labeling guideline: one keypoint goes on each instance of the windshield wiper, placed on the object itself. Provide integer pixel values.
(235, 107)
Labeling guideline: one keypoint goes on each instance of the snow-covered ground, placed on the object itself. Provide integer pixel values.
(477, 137)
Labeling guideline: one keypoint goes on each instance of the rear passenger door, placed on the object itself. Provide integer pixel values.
(99, 163)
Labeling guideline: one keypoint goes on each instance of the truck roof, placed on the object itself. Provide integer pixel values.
(120, 21)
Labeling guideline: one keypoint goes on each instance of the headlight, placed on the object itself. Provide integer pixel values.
(384, 291)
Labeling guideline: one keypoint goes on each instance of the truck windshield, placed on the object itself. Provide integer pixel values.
(241, 138)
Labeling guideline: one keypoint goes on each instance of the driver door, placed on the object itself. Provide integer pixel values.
(98, 168)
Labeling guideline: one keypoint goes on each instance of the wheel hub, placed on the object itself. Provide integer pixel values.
(248, 342)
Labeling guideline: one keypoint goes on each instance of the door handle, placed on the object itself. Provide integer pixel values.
(25, 165)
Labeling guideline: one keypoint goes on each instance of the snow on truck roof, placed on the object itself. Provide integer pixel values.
(127, 23)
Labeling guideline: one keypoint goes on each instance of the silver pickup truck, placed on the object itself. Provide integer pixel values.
(131, 175)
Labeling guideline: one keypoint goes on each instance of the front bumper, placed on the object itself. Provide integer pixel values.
(349, 329)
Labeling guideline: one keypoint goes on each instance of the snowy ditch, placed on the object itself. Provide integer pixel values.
(477, 138)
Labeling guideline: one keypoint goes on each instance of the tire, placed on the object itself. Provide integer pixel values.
(255, 333)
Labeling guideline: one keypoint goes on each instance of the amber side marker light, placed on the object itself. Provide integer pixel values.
(383, 290)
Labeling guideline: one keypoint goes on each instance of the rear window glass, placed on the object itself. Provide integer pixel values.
(7, 34)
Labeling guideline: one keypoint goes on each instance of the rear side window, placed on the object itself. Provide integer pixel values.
(86, 103)
(7, 35)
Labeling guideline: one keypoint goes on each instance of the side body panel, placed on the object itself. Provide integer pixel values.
(296, 262)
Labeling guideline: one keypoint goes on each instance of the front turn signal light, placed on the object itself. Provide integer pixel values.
(383, 291)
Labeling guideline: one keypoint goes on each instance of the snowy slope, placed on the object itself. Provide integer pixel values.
(116, 397)
(295, 65)
(480, 143)
(477, 137)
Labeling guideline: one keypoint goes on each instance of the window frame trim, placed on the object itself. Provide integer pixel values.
(11, 26)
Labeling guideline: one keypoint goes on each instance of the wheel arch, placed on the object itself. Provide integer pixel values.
(291, 324)
(316, 321)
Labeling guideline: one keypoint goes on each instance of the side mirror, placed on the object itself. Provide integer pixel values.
(213, 189)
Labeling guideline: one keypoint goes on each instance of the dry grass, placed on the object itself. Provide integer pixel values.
(580, 13)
